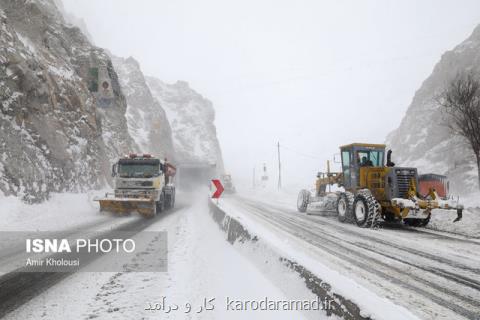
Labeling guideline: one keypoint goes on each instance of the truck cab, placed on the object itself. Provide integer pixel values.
(140, 173)
(142, 183)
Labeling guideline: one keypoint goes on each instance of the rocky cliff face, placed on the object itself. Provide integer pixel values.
(62, 116)
(191, 117)
(147, 121)
(73, 20)
(423, 139)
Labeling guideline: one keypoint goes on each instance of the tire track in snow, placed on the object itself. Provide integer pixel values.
(334, 245)
(344, 230)
(18, 288)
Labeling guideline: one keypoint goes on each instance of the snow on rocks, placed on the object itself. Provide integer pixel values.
(147, 123)
(191, 118)
(423, 139)
(51, 118)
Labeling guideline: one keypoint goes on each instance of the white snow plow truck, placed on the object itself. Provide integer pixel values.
(143, 183)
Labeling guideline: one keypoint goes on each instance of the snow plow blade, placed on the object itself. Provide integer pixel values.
(418, 205)
(145, 207)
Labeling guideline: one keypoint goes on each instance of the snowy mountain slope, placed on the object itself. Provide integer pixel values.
(73, 20)
(62, 116)
(191, 117)
(147, 121)
(423, 139)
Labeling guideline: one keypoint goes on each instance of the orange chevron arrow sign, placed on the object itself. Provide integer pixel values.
(219, 187)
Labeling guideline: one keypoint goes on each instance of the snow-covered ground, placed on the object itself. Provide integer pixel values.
(61, 211)
(431, 273)
(202, 265)
(470, 223)
(293, 248)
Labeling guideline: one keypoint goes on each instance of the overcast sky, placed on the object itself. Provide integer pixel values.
(310, 74)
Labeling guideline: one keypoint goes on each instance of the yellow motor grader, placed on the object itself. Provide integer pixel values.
(373, 190)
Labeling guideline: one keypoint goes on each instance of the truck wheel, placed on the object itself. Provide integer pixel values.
(172, 201)
(344, 206)
(366, 210)
(161, 204)
(168, 201)
(302, 200)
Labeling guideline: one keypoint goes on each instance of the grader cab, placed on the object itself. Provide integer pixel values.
(373, 190)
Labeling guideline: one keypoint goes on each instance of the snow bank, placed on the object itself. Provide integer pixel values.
(471, 200)
(469, 225)
(442, 220)
(61, 211)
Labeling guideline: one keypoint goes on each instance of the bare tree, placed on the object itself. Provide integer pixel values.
(461, 102)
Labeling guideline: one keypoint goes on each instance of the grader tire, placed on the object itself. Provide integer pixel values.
(366, 210)
(302, 200)
(345, 206)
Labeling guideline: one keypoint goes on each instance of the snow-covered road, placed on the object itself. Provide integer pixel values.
(202, 266)
(433, 274)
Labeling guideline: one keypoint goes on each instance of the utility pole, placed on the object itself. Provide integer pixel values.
(279, 168)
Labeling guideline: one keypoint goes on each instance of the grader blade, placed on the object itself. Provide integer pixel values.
(323, 204)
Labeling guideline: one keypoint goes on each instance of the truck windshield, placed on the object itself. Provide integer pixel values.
(138, 170)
